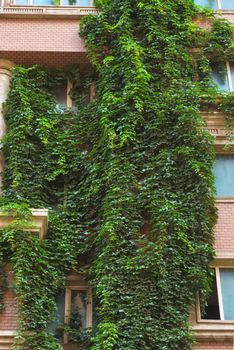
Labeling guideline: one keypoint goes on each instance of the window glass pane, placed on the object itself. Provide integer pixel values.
(227, 288)
(212, 4)
(232, 72)
(227, 4)
(54, 325)
(77, 2)
(224, 175)
(219, 76)
(78, 308)
(60, 92)
(70, 2)
(211, 311)
(21, 2)
(42, 2)
(85, 3)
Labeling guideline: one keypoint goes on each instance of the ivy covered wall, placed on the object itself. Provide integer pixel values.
(127, 177)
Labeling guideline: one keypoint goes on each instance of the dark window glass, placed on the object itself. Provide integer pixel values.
(60, 92)
(224, 175)
(219, 76)
(59, 321)
(211, 311)
(79, 308)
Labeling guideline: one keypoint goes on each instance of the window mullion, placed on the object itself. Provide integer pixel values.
(219, 290)
(229, 76)
(219, 4)
(67, 313)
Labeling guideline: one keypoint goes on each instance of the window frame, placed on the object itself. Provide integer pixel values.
(79, 284)
(229, 76)
(226, 198)
(220, 300)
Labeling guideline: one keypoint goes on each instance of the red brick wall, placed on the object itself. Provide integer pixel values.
(214, 346)
(32, 34)
(229, 16)
(224, 231)
(8, 317)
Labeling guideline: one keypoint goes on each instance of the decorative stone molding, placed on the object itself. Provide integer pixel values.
(40, 11)
(39, 218)
(6, 66)
(7, 339)
(216, 126)
(218, 331)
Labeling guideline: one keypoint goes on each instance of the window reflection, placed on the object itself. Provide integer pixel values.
(223, 172)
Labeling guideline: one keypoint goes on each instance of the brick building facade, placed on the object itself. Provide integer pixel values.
(35, 33)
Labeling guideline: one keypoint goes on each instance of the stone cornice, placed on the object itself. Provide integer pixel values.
(216, 125)
(39, 218)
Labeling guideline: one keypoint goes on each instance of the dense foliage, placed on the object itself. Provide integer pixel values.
(127, 177)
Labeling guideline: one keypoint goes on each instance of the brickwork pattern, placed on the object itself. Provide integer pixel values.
(8, 317)
(56, 35)
(214, 346)
(229, 16)
(224, 230)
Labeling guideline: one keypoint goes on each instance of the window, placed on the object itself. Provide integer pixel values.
(223, 76)
(74, 308)
(224, 175)
(62, 94)
(220, 305)
(216, 4)
(85, 3)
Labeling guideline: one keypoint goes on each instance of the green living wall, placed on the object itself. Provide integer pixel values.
(127, 177)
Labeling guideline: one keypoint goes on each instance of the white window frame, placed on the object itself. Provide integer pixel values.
(219, 4)
(81, 286)
(229, 76)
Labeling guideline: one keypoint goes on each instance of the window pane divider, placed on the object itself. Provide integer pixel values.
(229, 76)
(219, 290)
(219, 4)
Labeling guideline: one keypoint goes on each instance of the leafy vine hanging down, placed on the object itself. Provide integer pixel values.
(127, 177)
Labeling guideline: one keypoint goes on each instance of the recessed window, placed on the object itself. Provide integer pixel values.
(224, 175)
(223, 76)
(60, 92)
(220, 305)
(74, 309)
(216, 4)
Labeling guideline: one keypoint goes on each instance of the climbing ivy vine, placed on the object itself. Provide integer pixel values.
(127, 177)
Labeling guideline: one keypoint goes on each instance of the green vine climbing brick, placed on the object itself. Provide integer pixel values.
(127, 177)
